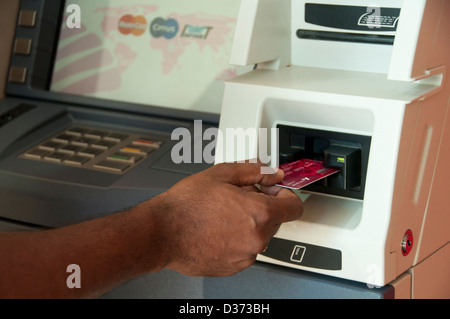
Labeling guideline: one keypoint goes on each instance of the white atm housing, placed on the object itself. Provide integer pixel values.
(376, 83)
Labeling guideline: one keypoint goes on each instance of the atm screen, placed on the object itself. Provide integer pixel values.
(171, 53)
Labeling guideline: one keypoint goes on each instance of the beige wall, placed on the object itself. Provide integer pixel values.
(8, 19)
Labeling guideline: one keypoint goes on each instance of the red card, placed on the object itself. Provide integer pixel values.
(304, 172)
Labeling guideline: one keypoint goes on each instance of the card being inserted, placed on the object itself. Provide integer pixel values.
(301, 173)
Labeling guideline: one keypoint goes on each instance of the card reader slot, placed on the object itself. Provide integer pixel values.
(345, 37)
(347, 152)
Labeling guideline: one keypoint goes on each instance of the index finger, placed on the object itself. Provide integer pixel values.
(246, 174)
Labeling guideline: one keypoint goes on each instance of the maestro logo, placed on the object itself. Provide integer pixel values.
(164, 28)
(130, 24)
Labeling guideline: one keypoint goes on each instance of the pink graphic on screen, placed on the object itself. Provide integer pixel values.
(124, 55)
(115, 55)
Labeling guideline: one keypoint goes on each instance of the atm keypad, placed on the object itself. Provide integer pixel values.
(108, 151)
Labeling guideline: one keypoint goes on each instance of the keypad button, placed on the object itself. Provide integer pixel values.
(78, 131)
(147, 143)
(115, 137)
(77, 160)
(37, 153)
(50, 146)
(56, 157)
(122, 157)
(70, 149)
(113, 166)
(103, 144)
(90, 152)
(135, 150)
(64, 138)
(96, 134)
(83, 141)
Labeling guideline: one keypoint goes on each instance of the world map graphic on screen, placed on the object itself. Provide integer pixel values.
(164, 53)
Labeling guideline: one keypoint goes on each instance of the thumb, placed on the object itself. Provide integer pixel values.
(246, 174)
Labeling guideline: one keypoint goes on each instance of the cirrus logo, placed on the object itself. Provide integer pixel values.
(164, 28)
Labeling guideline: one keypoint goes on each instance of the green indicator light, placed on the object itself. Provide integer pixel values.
(341, 159)
(119, 157)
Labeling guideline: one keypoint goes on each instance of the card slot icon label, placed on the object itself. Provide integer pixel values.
(297, 253)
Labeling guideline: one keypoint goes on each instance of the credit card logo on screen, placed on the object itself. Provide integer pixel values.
(164, 28)
(130, 24)
(198, 32)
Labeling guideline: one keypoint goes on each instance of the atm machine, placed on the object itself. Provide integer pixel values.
(78, 102)
(363, 88)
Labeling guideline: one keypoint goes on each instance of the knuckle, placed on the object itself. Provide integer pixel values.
(258, 244)
(264, 213)
(225, 167)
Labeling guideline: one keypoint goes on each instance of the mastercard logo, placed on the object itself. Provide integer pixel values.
(130, 24)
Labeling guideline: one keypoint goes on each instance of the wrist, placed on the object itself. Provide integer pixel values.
(154, 240)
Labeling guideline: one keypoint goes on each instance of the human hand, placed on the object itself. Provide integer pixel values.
(210, 224)
(217, 221)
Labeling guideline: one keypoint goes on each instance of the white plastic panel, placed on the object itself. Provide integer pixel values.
(262, 32)
(416, 39)
(366, 57)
